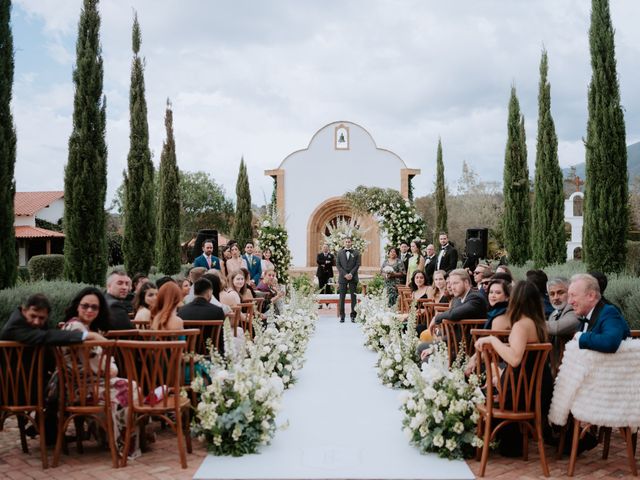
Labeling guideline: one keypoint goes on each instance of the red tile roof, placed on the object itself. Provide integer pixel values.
(30, 203)
(35, 232)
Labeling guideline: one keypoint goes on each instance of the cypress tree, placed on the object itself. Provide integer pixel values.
(606, 211)
(168, 242)
(242, 227)
(85, 182)
(517, 207)
(547, 229)
(441, 196)
(8, 257)
(139, 224)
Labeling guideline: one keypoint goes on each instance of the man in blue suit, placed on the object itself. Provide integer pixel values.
(254, 263)
(603, 327)
(207, 260)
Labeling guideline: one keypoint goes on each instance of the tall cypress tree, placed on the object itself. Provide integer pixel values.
(516, 217)
(606, 211)
(168, 242)
(85, 182)
(242, 228)
(547, 228)
(8, 257)
(441, 196)
(139, 224)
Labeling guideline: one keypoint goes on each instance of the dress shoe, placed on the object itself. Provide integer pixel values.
(353, 319)
(341, 319)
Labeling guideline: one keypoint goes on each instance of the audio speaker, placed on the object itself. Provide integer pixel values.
(202, 236)
(477, 242)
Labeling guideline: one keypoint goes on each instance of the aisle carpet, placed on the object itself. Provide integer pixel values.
(343, 422)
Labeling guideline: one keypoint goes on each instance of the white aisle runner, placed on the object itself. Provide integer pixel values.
(343, 423)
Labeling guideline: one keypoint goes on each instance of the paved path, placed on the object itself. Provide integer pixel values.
(343, 422)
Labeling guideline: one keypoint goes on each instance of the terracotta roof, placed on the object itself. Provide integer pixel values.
(30, 203)
(35, 232)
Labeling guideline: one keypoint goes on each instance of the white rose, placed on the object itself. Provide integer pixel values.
(451, 444)
(438, 440)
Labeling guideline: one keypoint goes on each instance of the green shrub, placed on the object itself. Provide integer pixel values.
(46, 267)
(60, 293)
(23, 275)
(303, 284)
(375, 286)
(632, 266)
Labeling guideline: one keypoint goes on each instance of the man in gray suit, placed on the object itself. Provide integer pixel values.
(348, 263)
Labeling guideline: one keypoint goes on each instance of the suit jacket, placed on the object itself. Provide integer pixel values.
(563, 322)
(449, 260)
(607, 328)
(201, 261)
(430, 268)
(325, 270)
(18, 330)
(474, 306)
(348, 266)
(254, 265)
(200, 309)
(119, 313)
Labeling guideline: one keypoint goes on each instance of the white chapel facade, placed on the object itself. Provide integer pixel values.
(310, 184)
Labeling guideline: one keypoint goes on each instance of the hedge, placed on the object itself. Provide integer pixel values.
(59, 292)
(46, 267)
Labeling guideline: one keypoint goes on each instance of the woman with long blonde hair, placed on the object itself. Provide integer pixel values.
(164, 312)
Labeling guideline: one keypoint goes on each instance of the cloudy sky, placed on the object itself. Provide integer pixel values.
(259, 78)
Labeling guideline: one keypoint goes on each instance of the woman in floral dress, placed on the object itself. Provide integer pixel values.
(393, 273)
(88, 311)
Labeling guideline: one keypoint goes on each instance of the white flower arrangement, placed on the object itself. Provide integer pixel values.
(342, 230)
(378, 321)
(440, 410)
(273, 235)
(399, 358)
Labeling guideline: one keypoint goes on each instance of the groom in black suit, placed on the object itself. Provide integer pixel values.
(348, 264)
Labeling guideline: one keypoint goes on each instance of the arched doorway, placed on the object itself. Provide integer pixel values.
(328, 211)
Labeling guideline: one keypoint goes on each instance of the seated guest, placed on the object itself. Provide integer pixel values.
(200, 308)
(137, 281)
(504, 269)
(438, 291)
(419, 287)
(393, 272)
(118, 288)
(87, 313)
(162, 280)
(144, 301)
(195, 274)
(604, 327)
(467, 303)
(216, 287)
(499, 293)
(247, 295)
(28, 324)
(236, 286)
(602, 283)
(481, 272)
(164, 312)
(185, 284)
(540, 279)
(563, 322)
(275, 293)
(527, 319)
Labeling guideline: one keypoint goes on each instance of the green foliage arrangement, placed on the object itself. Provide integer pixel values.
(273, 235)
(606, 210)
(139, 188)
(85, 177)
(46, 267)
(8, 255)
(396, 216)
(303, 284)
(59, 292)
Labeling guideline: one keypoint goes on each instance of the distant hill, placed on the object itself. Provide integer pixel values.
(633, 163)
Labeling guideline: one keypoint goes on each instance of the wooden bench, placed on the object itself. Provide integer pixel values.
(334, 298)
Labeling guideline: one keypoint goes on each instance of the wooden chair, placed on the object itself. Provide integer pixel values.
(404, 298)
(85, 392)
(516, 398)
(22, 390)
(424, 311)
(246, 320)
(259, 304)
(141, 324)
(208, 330)
(156, 368)
(457, 334)
(132, 334)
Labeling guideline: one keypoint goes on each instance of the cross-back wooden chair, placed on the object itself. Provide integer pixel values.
(131, 334)
(246, 320)
(208, 330)
(458, 334)
(259, 304)
(141, 324)
(514, 398)
(154, 372)
(84, 374)
(404, 298)
(21, 390)
(424, 311)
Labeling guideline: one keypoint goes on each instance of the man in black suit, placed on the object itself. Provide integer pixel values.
(405, 255)
(118, 288)
(201, 308)
(430, 261)
(326, 260)
(448, 256)
(348, 264)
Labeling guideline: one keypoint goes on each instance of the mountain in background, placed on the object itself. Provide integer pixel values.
(633, 164)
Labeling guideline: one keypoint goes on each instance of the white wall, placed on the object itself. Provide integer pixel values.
(24, 221)
(52, 213)
(576, 225)
(320, 172)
